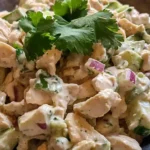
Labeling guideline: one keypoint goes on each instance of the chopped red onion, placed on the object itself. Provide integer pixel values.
(42, 125)
(130, 75)
(96, 65)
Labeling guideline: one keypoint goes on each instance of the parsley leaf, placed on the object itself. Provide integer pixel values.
(70, 9)
(76, 36)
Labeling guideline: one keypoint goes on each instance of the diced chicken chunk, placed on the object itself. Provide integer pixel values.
(2, 98)
(38, 97)
(14, 91)
(146, 60)
(79, 75)
(86, 145)
(68, 72)
(5, 122)
(104, 81)
(99, 105)
(23, 143)
(138, 18)
(122, 31)
(66, 96)
(9, 139)
(73, 90)
(79, 130)
(59, 143)
(129, 27)
(18, 108)
(107, 125)
(49, 60)
(74, 60)
(4, 30)
(113, 71)
(9, 78)
(36, 122)
(94, 5)
(15, 37)
(89, 145)
(7, 56)
(99, 52)
(91, 10)
(41, 121)
(122, 142)
(120, 109)
(36, 5)
(3, 72)
(42, 147)
(86, 90)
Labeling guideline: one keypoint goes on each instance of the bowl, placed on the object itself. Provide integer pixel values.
(141, 5)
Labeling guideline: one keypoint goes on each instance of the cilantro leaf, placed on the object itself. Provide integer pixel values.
(30, 22)
(60, 8)
(60, 20)
(36, 44)
(76, 36)
(70, 9)
(105, 28)
(26, 25)
(78, 40)
(35, 17)
(36, 41)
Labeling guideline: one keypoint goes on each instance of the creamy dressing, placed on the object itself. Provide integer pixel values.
(68, 101)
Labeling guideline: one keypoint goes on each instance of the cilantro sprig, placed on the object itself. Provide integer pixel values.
(70, 9)
(76, 36)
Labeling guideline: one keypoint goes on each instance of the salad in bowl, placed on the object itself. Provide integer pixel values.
(74, 75)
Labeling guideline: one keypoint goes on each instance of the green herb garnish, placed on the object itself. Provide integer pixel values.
(76, 36)
(70, 9)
